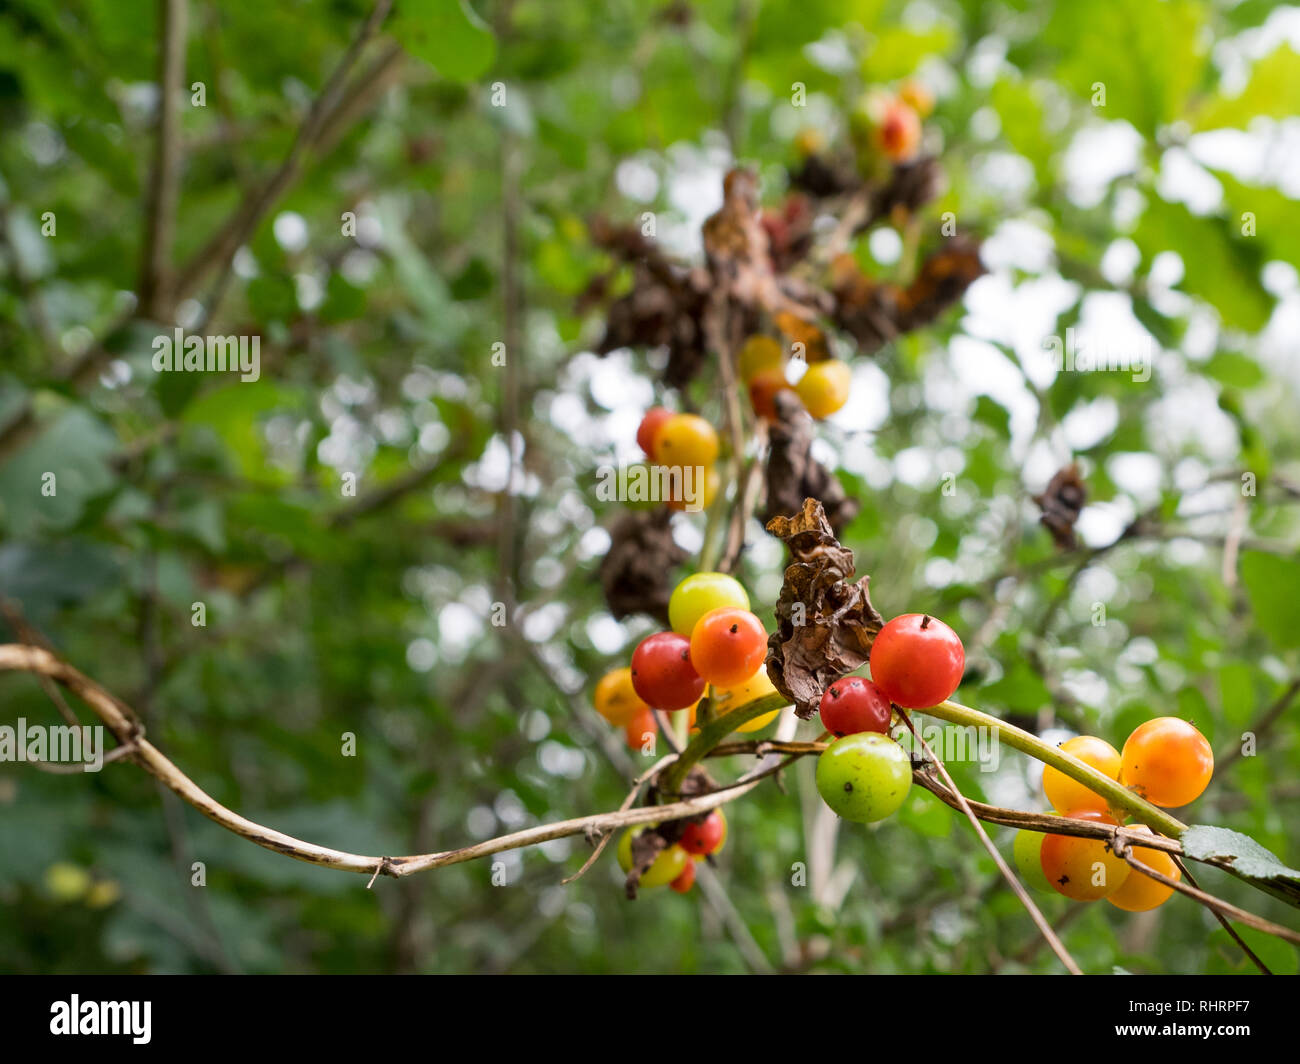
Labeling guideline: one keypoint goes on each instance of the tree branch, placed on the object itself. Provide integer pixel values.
(164, 178)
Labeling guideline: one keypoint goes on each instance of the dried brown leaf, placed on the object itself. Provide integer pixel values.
(793, 474)
(1061, 503)
(825, 622)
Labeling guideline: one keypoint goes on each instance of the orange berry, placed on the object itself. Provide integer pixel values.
(616, 699)
(1083, 869)
(763, 389)
(900, 132)
(1140, 893)
(640, 729)
(686, 440)
(728, 646)
(1167, 761)
(1065, 793)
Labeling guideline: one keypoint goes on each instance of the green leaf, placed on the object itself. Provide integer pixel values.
(1248, 859)
(1273, 91)
(1218, 265)
(1239, 371)
(47, 485)
(447, 35)
(1149, 57)
(1271, 582)
(1266, 214)
(897, 51)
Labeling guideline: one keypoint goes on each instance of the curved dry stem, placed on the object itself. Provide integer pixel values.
(120, 720)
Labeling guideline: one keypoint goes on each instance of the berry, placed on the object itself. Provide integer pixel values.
(702, 838)
(640, 729)
(670, 863)
(698, 594)
(1140, 893)
(852, 705)
(703, 486)
(825, 387)
(1083, 869)
(648, 431)
(1028, 853)
(1065, 793)
(864, 777)
(917, 96)
(683, 883)
(763, 389)
(900, 132)
(686, 440)
(728, 646)
(917, 661)
(759, 353)
(760, 685)
(616, 699)
(662, 673)
(809, 141)
(1167, 761)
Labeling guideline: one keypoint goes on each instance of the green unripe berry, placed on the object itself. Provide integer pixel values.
(667, 866)
(1028, 850)
(864, 777)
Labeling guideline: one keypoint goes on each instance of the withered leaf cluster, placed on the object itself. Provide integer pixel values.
(825, 621)
(794, 475)
(910, 185)
(637, 572)
(664, 308)
(874, 313)
(1061, 503)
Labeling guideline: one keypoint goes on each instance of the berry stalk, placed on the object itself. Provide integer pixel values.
(1116, 794)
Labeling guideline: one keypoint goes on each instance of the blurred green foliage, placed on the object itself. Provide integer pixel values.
(327, 615)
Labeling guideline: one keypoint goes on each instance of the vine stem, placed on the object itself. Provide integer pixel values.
(1116, 794)
(1035, 914)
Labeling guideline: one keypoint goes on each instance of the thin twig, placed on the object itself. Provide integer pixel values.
(1208, 900)
(1223, 920)
(1057, 946)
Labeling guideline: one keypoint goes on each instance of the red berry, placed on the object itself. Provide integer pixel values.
(639, 728)
(705, 836)
(662, 674)
(852, 705)
(900, 132)
(917, 661)
(728, 646)
(649, 428)
(683, 883)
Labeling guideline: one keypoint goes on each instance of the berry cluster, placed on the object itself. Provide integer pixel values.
(823, 389)
(864, 775)
(892, 122)
(715, 644)
(675, 865)
(1166, 761)
(681, 442)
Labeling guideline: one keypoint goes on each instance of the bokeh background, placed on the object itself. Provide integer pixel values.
(372, 615)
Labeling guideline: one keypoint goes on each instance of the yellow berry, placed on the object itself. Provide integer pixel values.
(824, 389)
